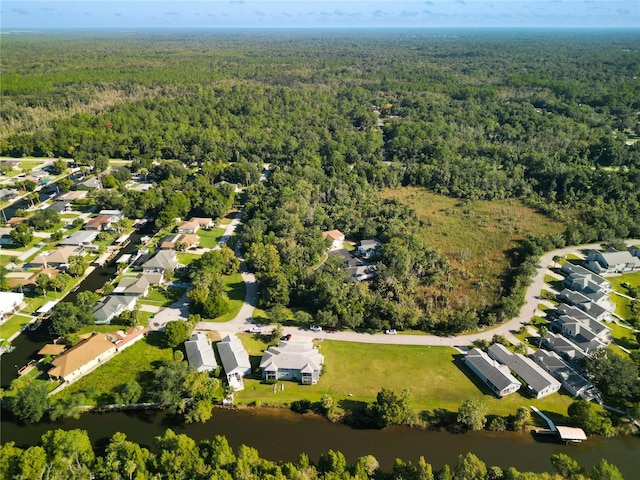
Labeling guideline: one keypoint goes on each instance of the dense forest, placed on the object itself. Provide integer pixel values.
(69, 455)
(549, 118)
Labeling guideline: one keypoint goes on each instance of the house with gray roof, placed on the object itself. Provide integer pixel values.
(81, 238)
(539, 383)
(112, 306)
(584, 302)
(568, 313)
(564, 347)
(369, 248)
(297, 360)
(612, 261)
(200, 353)
(163, 261)
(235, 361)
(583, 280)
(93, 183)
(133, 286)
(571, 380)
(496, 375)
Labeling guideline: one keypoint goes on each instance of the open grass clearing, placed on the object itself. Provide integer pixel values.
(12, 326)
(435, 375)
(475, 237)
(134, 363)
(234, 287)
(163, 297)
(186, 258)
(210, 238)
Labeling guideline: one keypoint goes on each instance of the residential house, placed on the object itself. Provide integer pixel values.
(10, 303)
(369, 248)
(133, 286)
(116, 214)
(170, 241)
(58, 258)
(59, 207)
(583, 280)
(101, 222)
(336, 237)
(15, 221)
(200, 353)
(82, 358)
(612, 262)
(635, 250)
(364, 272)
(12, 164)
(538, 382)
(235, 361)
(194, 223)
(600, 309)
(292, 361)
(81, 238)
(112, 306)
(5, 236)
(571, 380)
(93, 183)
(494, 374)
(7, 193)
(564, 347)
(163, 261)
(72, 196)
(598, 328)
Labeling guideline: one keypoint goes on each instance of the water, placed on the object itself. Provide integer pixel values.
(284, 435)
(30, 342)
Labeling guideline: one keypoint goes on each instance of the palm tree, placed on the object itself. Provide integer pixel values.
(543, 333)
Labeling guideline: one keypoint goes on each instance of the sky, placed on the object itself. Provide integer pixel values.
(36, 14)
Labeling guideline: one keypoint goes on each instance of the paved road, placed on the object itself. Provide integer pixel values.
(244, 319)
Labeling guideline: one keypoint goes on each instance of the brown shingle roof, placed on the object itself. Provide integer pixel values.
(76, 357)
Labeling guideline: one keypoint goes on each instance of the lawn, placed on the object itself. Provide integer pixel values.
(210, 238)
(133, 363)
(13, 325)
(186, 258)
(622, 303)
(435, 375)
(475, 237)
(163, 297)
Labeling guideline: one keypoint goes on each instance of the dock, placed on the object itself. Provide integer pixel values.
(564, 434)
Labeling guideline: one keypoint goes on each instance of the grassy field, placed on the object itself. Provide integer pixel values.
(622, 303)
(210, 238)
(475, 237)
(134, 363)
(13, 325)
(163, 297)
(186, 258)
(435, 375)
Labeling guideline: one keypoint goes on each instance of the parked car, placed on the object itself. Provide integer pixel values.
(315, 328)
(331, 329)
(286, 337)
(255, 329)
(390, 331)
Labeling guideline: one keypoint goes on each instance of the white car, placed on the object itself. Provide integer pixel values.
(255, 330)
(391, 331)
(315, 328)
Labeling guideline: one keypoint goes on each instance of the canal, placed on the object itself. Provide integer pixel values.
(29, 342)
(284, 435)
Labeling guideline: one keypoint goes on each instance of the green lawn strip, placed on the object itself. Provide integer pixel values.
(632, 279)
(438, 379)
(210, 238)
(234, 287)
(349, 246)
(622, 305)
(37, 300)
(134, 363)
(186, 258)
(163, 298)
(13, 325)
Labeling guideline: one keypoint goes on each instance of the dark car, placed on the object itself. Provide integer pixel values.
(330, 329)
(286, 337)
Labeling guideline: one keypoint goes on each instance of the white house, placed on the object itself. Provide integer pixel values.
(336, 237)
(9, 303)
(496, 375)
(538, 382)
(292, 361)
(235, 361)
(572, 381)
(369, 248)
(112, 306)
(612, 262)
(163, 261)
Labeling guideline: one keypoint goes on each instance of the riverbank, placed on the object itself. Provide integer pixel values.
(281, 435)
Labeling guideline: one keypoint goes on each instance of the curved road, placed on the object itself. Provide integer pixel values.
(244, 319)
